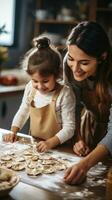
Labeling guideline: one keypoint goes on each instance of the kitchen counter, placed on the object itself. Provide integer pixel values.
(11, 97)
(22, 77)
(8, 89)
(94, 187)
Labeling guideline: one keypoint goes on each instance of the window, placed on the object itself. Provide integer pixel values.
(7, 19)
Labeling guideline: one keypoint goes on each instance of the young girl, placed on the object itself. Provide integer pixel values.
(49, 104)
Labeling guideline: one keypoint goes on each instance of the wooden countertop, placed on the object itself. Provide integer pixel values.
(94, 187)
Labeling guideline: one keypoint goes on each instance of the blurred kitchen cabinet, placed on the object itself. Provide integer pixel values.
(101, 11)
(55, 19)
(9, 104)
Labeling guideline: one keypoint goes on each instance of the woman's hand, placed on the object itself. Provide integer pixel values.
(10, 137)
(75, 174)
(80, 148)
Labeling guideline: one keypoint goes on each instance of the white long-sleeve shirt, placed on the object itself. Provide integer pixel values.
(65, 109)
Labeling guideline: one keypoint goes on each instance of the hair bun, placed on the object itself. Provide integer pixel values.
(41, 42)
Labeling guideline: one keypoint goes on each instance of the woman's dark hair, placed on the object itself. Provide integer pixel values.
(43, 58)
(93, 40)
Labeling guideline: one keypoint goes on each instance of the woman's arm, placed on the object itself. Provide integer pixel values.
(107, 140)
(77, 173)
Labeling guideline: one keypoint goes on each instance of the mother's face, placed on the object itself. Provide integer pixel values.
(81, 64)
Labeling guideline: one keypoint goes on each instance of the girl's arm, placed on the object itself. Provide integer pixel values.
(22, 114)
(65, 105)
(15, 129)
(20, 117)
(11, 137)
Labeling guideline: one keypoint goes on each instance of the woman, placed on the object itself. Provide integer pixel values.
(88, 70)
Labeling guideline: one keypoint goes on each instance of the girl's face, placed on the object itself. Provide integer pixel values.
(44, 84)
(81, 64)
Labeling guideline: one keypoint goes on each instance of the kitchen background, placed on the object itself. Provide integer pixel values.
(31, 18)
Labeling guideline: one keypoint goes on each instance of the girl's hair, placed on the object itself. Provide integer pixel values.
(43, 58)
(93, 40)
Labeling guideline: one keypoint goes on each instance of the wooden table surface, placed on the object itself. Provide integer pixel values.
(23, 191)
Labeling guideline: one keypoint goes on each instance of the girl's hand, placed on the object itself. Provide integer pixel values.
(80, 148)
(75, 174)
(43, 146)
(10, 137)
(50, 143)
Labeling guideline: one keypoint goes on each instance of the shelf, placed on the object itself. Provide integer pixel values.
(104, 9)
(60, 18)
(97, 10)
(53, 21)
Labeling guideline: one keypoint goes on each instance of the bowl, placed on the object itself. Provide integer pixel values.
(41, 14)
(8, 180)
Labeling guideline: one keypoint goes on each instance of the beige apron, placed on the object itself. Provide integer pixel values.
(43, 121)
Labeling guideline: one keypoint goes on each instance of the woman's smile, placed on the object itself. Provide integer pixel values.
(79, 73)
(80, 63)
